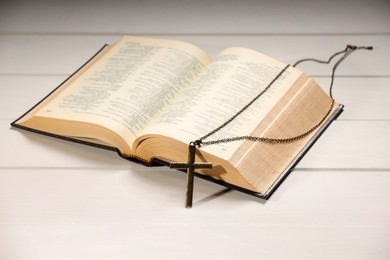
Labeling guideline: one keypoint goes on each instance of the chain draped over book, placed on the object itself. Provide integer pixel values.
(348, 50)
(191, 165)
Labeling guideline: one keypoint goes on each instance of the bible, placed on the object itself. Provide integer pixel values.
(149, 98)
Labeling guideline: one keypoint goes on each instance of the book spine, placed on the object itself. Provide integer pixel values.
(132, 157)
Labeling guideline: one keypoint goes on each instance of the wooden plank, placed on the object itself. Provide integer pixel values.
(345, 145)
(212, 17)
(121, 214)
(351, 145)
(364, 98)
(59, 54)
(20, 93)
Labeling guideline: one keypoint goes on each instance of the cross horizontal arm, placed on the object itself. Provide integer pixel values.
(178, 165)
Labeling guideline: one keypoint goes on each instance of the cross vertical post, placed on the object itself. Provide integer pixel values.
(191, 165)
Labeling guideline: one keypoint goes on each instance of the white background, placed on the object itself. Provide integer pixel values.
(61, 200)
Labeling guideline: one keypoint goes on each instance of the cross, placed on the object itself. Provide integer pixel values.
(190, 166)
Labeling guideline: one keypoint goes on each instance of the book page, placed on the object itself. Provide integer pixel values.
(235, 77)
(129, 85)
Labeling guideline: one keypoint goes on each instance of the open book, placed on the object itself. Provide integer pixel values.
(148, 98)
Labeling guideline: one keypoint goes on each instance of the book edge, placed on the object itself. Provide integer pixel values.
(304, 150)
(83, 142)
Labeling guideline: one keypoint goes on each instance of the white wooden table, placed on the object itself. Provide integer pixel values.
(60, 200)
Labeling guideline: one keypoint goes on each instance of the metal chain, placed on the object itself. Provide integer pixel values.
(266, 139)
(348, 50)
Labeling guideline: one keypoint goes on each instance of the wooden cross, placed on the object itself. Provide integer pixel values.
(191, 165)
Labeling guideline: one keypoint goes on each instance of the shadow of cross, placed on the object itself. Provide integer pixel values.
(190, 165)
